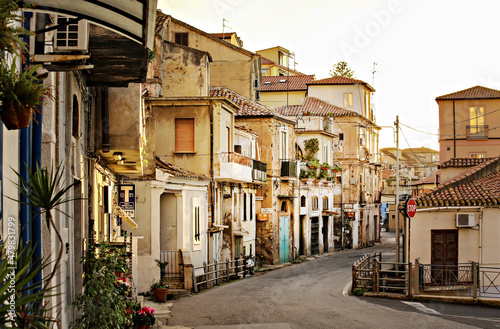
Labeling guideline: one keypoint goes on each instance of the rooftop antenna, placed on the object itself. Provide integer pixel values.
(224, 26)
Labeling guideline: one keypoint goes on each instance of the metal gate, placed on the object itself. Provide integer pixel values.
(314, 235)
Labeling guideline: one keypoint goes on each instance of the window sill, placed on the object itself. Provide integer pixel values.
(184, 152)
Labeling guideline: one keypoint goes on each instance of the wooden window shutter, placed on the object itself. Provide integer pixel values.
(184, 135)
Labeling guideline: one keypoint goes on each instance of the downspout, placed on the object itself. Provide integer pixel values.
(454, 133)
(212, 180)
(25, 161)
(481, 236)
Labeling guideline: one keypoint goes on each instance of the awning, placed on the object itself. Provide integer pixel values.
(119, 212)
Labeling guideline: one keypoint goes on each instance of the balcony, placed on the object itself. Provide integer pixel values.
(259, 171)
(477, 132)
(288, 168)
(235, 167)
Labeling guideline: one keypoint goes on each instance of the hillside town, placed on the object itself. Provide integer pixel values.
(158, 156)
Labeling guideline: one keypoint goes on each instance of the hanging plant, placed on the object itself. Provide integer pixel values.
(21, 93)
(10, 32)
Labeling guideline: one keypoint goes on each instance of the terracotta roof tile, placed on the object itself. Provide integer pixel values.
(463, 162)
(246, 106)
(340, 81)
(316, 107)
(226, 35)
(480, 185)
(477, 92)
(283, 83)
(177, 171)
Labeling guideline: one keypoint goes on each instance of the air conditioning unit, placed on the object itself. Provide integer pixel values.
(71, 37)
(465, 220)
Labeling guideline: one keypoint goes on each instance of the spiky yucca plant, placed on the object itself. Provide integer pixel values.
(44, 189)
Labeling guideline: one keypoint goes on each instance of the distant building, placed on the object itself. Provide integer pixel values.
(468, 122)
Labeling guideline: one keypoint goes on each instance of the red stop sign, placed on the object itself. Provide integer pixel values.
(411, 207)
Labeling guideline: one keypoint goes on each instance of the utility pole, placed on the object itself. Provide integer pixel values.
(397, 188)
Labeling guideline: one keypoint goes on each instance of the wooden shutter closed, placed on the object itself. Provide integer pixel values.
(184, 135)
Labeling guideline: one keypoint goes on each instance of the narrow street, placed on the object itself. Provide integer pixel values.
(312, 295)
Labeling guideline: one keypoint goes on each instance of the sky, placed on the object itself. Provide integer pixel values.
(422, 48)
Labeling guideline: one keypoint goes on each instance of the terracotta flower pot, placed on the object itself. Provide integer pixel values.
(161, 295)
(16, 116)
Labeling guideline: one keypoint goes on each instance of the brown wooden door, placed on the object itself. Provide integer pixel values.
(444, 256)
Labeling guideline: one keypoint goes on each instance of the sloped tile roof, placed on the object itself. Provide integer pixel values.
(340, 81)
(316, 107)
(246, 106)
(266, 61)
(223, 35)
(177, 171)
(463, 162)
(478, 186)
(477, 92)
(292, 83)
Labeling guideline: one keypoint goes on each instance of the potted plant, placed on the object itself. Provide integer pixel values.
(160, 289)
(143, 318)
(20, 93)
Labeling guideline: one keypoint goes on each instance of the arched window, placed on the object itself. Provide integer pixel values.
(303, 201)
(325, 203)
(315, 203)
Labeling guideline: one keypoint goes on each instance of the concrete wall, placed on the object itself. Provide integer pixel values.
(230, 67)
(334, 94)
(275, 99)
(185, 71)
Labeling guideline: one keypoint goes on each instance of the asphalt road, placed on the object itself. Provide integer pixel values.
(310, 295)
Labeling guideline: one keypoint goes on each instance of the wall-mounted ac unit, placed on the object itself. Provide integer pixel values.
(71, 37)
(465, 220)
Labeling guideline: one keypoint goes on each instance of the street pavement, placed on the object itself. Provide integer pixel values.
(313, 294)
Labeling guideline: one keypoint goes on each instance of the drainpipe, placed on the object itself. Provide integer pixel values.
(481, 236)
(212, 180)
(454, 133)
(36, 224)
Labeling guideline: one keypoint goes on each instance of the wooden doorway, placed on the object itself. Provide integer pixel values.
(444, 252)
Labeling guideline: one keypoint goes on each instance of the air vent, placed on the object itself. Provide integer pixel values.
(282, 80)
(465, 220)
(267, 82)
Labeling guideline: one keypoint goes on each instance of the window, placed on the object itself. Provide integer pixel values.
(476, 122)
(283, 145)
(244, 207)
(325, 153)
(181, 39)
(325, 203)
(341, 136)
(315, 203)
(347, 99)
(251, 206)
(478, 155)
(303, 201)
(283, 206)
(196, 219)
(184, 135)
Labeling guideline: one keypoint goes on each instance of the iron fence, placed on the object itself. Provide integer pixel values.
(489, 281)
(446, 277)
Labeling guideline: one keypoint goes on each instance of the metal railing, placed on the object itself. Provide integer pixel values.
(370, 273)
(446, 277)
(234, 157)
(259, 171)
(288, 168)
(175, 266)
(477, 131)
(489, 278)
(219, 272)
